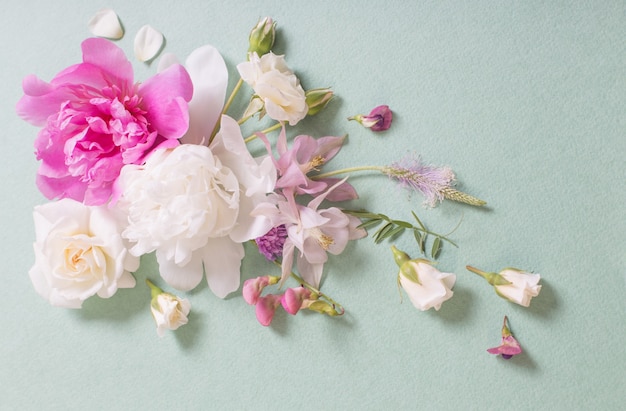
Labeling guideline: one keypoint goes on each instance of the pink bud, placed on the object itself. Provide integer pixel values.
(294, 298)
(253, 287)
(266, 307)
(379, 119)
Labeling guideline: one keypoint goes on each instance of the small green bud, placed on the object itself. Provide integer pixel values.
(262, 36)
(323, 307)
(317, 99)
(399, 256)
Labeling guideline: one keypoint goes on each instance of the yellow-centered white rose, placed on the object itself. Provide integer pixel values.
(79, 252)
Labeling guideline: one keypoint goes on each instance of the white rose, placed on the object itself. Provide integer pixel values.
(169, 312)
(276, 85)
(79, 253)
(522, 288)
(192, 204)
(433, 289)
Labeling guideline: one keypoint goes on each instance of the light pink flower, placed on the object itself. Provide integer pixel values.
(311, 231)
(308, 154)
(509, 346)
(266, 308)
(253, 287)
(95, 119)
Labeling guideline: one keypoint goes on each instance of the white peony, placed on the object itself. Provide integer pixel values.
(276, 85)
(433, 289)
(192, 204)
(79, 253)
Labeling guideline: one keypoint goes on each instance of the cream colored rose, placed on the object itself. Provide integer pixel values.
(276, 85)
(78, 253)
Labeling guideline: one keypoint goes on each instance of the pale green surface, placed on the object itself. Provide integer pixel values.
(525, 100)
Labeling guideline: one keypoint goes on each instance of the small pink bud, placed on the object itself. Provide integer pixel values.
(509, 346)
(266, 307)
(294, 298)
(253, 287)
(379, 119)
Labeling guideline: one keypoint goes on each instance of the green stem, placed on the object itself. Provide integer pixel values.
(226, 107)
(267, 130)
(348, 170)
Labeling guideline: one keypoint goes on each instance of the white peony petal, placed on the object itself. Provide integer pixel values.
(166, 61)
(182, 278)
(148, 43)
(106, 24)
(222, 264)
(209, 76)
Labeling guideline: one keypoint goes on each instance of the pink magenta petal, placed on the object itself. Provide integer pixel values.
(108, 57)
(165, 97)
(266, 308)
(293, 298)
(209, 75)
(253, 287)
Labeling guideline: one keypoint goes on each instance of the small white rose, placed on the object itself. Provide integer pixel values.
(169, 312)
(276, 85)
(433, 287)
(79, 252)
(512, 284)
(522, 288)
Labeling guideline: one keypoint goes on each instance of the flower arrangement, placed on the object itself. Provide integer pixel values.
(161, 166)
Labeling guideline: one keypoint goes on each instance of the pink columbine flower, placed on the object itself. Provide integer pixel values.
(266, 308)
(95, 120)
(307, 154)
(295, 299)
(253, 287)
(509, 346)
(379, 119)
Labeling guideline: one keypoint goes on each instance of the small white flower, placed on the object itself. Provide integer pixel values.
(426, 286)
(512, 284)
(169, 312)
(522, 288)
(276, 85)
(79, 253)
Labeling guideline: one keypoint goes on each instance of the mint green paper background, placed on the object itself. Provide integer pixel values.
(524, 100)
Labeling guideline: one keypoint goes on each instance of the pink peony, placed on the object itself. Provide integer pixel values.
(95, 120)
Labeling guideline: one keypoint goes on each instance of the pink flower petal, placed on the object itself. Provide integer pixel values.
(266, 308)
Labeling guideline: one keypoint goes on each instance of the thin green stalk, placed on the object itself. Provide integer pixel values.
(267, 130)
(348, 170)
(226, 107)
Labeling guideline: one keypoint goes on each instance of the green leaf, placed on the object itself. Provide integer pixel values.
(369, 223)
(396, 231)
(434, 252)
(402, 223)
(379, 235)
(418, 221)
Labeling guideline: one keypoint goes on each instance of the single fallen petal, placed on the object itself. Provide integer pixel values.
(148, 43)
(106, 24)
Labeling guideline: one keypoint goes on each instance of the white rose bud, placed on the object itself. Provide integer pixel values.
(512, 284)
(426, 286)
(168, 310)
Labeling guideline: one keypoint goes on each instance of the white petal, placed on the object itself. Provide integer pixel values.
(182, 278)
(209, 76)
(222, 264)
(166, 61)
(148, 43)
(106, 24)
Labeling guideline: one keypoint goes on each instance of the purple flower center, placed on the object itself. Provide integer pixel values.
(271, 244)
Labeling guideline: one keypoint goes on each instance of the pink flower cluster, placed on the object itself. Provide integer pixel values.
(95, 120)
(292, 300)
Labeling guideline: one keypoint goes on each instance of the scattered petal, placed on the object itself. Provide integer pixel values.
(148, 43)
(106, 24)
